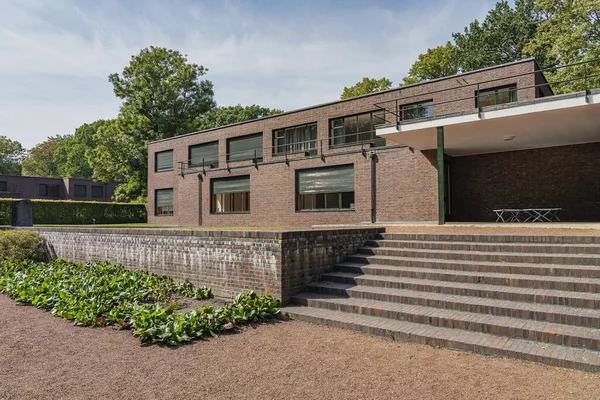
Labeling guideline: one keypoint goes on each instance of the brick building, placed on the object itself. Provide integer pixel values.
(33, 187)
(503, 138)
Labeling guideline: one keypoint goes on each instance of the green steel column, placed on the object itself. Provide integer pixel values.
(441, 180)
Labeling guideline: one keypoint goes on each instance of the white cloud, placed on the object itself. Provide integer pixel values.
(55, 56)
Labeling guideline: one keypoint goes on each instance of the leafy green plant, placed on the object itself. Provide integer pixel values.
(99, 294)
(203, 292)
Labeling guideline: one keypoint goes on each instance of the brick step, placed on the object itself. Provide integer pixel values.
(386, 276)
(493, 238)
(486, 256)
(575, 271)
(585, 317)
(527, 295)
(455, 339)
(549, 248)
(540, 331)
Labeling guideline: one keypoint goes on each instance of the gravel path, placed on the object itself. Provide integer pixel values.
(43, 357)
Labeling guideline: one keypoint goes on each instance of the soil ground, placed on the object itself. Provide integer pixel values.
(45, 357)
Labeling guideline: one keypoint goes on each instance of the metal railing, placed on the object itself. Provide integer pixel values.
(316, 148)
(586, 72)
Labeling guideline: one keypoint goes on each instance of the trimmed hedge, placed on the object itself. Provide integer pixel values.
(6, 211)
(68, 212)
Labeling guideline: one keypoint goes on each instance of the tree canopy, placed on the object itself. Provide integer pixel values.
(434, 63)
(72, 153)
(11, 154)
(162, 95)
(501, 37)
(568, 33)
(161, 86)
(555, 32)
(41, 160)
(221, 116)
(366, 86)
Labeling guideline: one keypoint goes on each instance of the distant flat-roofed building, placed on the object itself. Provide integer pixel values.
(33, 187)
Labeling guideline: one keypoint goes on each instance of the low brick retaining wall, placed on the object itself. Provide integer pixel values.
(280, 262)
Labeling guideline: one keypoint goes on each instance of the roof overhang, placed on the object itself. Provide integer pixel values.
(545, 122)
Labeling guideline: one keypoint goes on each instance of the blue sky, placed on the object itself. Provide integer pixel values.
(55, 56)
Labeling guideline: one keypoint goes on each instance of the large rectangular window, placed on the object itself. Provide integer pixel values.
(231, 195)
(163, 202)
(497, 95)
(163, 161)
(49, 190)
(97, 191)
(3, 186)
(327, 188)
(80, 190)
(356, 129)
(249, 147)
(421, 109)
(204, 155)
(295, 139)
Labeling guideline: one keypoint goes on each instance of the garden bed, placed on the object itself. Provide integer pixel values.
(154, 307)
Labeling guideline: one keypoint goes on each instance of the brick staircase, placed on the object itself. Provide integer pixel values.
(529, 297)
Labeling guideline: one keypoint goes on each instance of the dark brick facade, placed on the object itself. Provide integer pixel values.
(564, 177)
(230, 262)
(406, 180)
(28, 187)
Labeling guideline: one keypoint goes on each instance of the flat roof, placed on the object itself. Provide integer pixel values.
(350, 99)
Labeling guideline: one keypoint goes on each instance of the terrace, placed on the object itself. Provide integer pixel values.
(519, 112)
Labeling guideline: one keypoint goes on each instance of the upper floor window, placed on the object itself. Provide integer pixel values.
(49, 190)
(163, 161)
(356, 129)
(204, 155)
(97, 191)
(231, 195)
(3, 186)
(421, 109)
(497, 95)
(326, 188)
(249, 147)
(163, 202)
(295, 139)
(80, 190)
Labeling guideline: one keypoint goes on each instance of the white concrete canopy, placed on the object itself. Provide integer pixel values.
(546, 122)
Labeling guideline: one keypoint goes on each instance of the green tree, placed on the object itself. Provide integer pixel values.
(119, 157)
(11, 154)
(161, 86)
(570, 32)
(163, 96)
(435, 63)
(41, 160)
(221, 116)
(366, 86)
(71, 155)
(500, 38)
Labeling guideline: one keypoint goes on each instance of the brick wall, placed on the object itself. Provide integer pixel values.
(406, 180)
(406, 186)
(305, 255)
(565, 177)
(280, 262)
